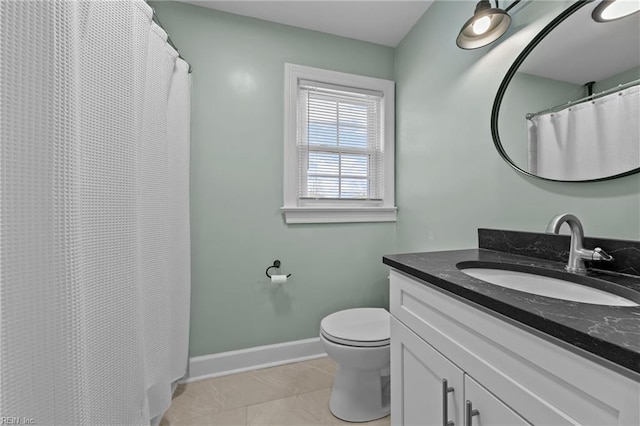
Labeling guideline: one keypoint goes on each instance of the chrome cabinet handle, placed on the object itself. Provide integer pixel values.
(469, 412)
(445, 403)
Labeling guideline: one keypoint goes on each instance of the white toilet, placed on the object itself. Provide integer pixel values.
(358, 341)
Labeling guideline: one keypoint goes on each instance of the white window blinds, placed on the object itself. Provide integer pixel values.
(340, 142)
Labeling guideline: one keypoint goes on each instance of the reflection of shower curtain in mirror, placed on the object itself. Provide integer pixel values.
(590, 140)
(94, 213)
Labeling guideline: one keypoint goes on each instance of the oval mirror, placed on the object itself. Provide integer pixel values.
(568, 108)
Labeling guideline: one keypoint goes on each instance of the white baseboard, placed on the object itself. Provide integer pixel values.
(222, 364)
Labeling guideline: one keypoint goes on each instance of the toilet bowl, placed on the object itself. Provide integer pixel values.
(358, 341)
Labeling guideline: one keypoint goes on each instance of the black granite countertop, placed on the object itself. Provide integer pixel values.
(609, 332)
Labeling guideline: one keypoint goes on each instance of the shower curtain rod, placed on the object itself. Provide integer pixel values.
(585, 99)
(171, 43)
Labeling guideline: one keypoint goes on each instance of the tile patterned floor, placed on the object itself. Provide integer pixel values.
(289, 395)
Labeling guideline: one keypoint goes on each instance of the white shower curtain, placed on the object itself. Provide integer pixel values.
(94, 213)
(588, 140)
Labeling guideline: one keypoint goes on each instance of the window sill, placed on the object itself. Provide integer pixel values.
(339, 214)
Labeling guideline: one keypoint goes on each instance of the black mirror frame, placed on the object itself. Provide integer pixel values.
(509, 76)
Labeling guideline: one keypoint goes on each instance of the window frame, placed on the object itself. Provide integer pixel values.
(298, 210)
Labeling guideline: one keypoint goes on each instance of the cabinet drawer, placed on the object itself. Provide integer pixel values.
(545, 383)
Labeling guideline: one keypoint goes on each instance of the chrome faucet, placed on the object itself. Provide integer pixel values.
(577, 253)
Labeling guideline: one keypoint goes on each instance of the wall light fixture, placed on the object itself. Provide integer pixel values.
(612, 10)
(485, 26)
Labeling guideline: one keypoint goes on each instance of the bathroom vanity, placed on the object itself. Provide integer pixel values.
(467, 352)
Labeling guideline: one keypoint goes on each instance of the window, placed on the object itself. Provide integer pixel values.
(339, 147)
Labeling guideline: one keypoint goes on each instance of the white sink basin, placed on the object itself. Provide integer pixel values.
(546, 286)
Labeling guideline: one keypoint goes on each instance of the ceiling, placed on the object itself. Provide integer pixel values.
(582, 50)
(380, 22)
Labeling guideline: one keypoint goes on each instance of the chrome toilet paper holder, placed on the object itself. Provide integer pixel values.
(276, 264)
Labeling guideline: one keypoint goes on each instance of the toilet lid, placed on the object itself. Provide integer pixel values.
(357, 327)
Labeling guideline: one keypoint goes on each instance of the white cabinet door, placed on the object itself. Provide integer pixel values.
(418, 393)
(487, 410)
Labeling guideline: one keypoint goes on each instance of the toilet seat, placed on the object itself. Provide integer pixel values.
(361, 327)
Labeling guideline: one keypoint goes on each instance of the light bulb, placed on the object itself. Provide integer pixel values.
(481, 25)
(620, 8)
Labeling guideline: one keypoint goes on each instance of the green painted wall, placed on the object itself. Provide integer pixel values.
(450, 180)
(236, 186)
(622, 78)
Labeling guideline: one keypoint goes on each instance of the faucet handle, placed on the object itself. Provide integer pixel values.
(599, 254)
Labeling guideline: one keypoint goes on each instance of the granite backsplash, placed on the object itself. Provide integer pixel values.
(626, 253)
